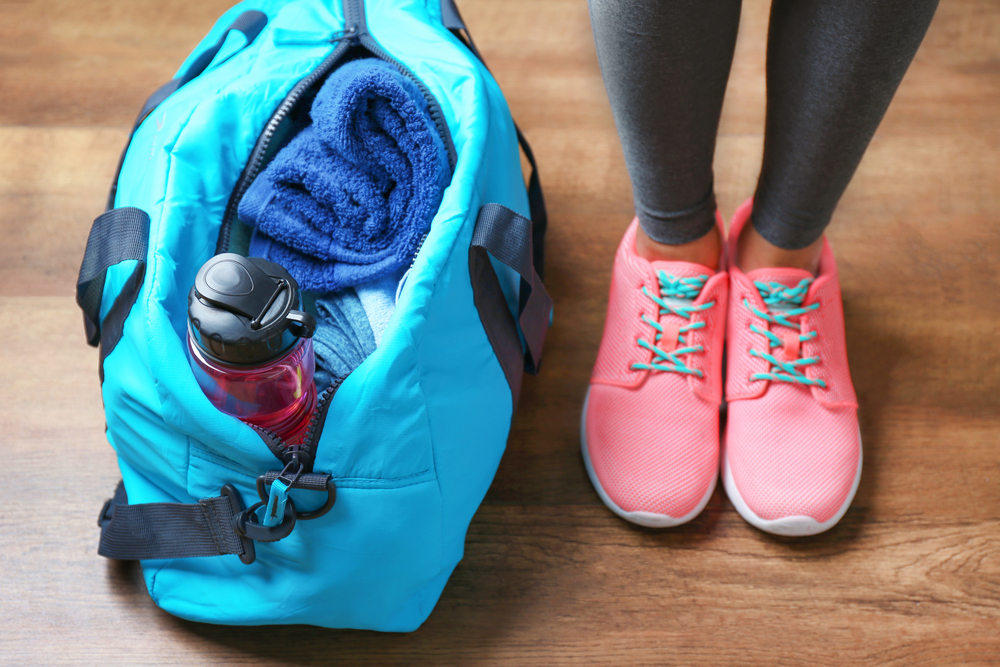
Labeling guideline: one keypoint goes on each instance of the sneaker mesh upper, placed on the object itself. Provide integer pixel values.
(653, 436)
(793, 449)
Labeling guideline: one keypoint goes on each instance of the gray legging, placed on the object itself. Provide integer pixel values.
(832, 69)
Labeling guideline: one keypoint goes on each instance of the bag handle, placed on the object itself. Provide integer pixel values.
(216, 526)
(452, 20)
(250, 23)
(507, 236)
(117, 235)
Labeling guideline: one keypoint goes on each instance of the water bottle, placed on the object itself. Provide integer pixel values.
(250, 345)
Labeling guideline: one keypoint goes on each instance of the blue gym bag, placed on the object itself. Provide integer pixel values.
(378, 498)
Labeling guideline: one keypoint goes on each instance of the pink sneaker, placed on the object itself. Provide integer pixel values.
(792, 449)
(650, 430)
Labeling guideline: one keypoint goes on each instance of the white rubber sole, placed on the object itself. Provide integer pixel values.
(647, 519)
(794, 526)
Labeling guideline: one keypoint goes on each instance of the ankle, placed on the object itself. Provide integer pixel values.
(753, 252)
(704, 251)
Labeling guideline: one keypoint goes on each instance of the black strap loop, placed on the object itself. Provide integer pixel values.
(116, 236)
(452, 20)
(216, 526)
(536, 204)
(450, 16)
(310, 481)
(508, 237)
(250, 23)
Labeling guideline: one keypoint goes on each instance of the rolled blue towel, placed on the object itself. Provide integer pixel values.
(348, 199)
(343, 337)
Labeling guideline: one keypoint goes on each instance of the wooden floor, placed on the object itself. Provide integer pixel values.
(911, 576)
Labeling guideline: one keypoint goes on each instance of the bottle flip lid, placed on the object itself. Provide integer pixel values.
(243, 310)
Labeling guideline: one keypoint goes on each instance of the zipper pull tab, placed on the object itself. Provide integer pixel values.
(347, 33)
(289, 37)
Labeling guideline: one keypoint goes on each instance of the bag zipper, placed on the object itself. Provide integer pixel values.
(305, 451)
(355, 32)
(354, 16)
(343, 39)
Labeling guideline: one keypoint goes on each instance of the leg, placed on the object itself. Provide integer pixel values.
(792, 454)
(665, 65)
(650, 436)
(832, 69)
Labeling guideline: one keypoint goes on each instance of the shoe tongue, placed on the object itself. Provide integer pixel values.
(787, 277)
(682, 269)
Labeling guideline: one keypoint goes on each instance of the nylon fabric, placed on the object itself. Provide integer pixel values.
(250, 23)
(414, 435)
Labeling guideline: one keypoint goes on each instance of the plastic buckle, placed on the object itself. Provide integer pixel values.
(247, 525)
(249, 554)
(263, 490)
(331, 498)
(278, 496)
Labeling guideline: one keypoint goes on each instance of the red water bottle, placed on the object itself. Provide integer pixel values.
(250, 346)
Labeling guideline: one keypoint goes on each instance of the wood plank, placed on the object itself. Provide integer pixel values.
(93, 62)
(546, 577)
(911, 576)
(53, 183)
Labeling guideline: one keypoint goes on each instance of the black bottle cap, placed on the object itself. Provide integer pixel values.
(243, 310)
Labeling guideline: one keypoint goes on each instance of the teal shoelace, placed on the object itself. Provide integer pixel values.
(678, 290)
(783, 302)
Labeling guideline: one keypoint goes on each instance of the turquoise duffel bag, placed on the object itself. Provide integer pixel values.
(400, 454)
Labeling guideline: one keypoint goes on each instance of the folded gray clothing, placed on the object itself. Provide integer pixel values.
(379, 300)
(343, 337)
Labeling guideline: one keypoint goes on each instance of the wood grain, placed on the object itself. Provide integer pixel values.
(911, 576)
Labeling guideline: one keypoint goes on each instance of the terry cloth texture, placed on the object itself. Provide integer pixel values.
(343, 337)
(348, 199)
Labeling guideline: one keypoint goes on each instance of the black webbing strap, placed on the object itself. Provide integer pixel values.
(113, 326)
(536, 204)
(452, 20)
(118, 235)
(508, 237)
(250, 23)
(167, 530)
